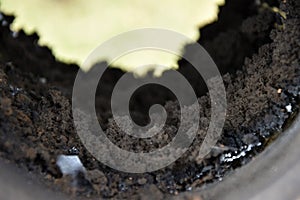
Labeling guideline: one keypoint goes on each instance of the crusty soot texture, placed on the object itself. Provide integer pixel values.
(36, 119)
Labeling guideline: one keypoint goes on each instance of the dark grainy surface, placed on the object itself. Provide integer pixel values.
(36, 120)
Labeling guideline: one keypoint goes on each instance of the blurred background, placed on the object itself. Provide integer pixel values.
(73, 28)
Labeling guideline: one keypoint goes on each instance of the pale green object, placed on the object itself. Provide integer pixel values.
(73, 28)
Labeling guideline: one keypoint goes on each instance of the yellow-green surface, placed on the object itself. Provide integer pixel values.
(73, 28)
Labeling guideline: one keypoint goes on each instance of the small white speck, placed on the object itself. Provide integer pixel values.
(258, 144)
(189, 189)
(249, 148)
(43, 80)
(69, 164)
(279, 91)
(15, 34)
(242, 154)
(288, 108)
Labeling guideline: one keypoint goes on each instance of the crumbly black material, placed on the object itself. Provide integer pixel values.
(259, 61)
